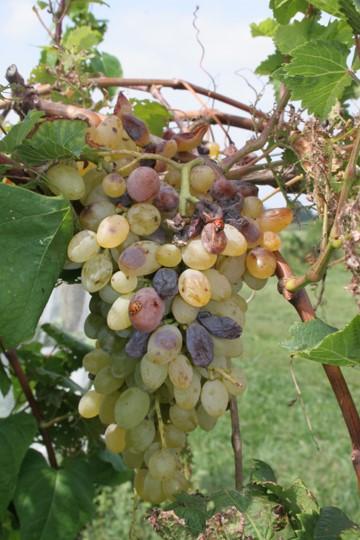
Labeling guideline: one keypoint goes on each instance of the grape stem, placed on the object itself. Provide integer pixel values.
(302, 304)
(160, 423)
(227, 376)
(138, 156)
(236, 443)
(185, 195)
(34, 406)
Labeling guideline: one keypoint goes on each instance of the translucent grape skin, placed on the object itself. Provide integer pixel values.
(115, 438)
(222, 327)
(113, 185)
(146, 309)
(168, 255)
(96, 272)
(214, 398)
(65, 180)
(276, 219)
(144, 219)
(89, 404)
(183, 312)
(82, 246)
(200, 345)
(143, 184)
(165, 282)
(112, 231)
(131, 407)
(194, 287)
(261, 263)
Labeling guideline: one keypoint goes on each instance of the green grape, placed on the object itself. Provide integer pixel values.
(95, 195)
(195, 256)
(182, 311)
(220, 285)
(228, 308)
(133, 460)
(139, 480)
(108, 133)
(112, 231)
(232, 268)
(164, 344)
(174, 437)
(92, 178)
(92, 215)
(181, 372)
(173, 178)
(185, 420)
(168, 255)
(118, 316)
(206, 422)
(93, 324)
(65, 180)
(162, 464)
(131, 408)
(228, 347)
(252, 207)
(109, 341)
(153, 491)
(95, 360)
(254, 283)
(214, 398)
(139, 438)
(96, 272)
(219, 362)
(150, 451)
(143, 218)
(82, 246)
(202, 178)
(174, 485)
(108, 295)
(89, 404)
(105, 382)
(114, 185)
(236, 244)
(123, 283)
(152, 374)
(115, 438)
(194, 288)
(187, 398)
(238, 385)
(122, 365)
(106, 413)
(94, 304)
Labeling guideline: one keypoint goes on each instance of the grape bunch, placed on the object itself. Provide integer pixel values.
(165, 307)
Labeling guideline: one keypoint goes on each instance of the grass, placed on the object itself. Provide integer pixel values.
(273, 425)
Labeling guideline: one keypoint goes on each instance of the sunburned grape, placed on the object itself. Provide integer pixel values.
(146, 309)
(222, 327)
(200, 345)
(165, 282)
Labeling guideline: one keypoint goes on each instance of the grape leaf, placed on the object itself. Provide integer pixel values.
(108, 65)
(193, 509)
(290, 36)
(35, 231)
(5, 381)
(16, 434)
(351, 14)
(284, 10)
(331, 523)
(266, 28)
(330, 6)
(73, 346)
(54, 139)
(261, 472)
(307, 334)
(53, 503)
(341, 348)
(318, 75)
(80, 38)
(19, 131)
(155, 115)
(270, 64)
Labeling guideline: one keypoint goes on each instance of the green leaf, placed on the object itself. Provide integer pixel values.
(16, 434)
(106, 64)
(35, 231)
(266, 28)
(318, 75)
(330, 6)
(155, 115)
(53, 503)
(290, 36)
(261, 472)
(108, 469)
(230, 497)
(284, 10)
(81, 38)
(305, 335)
(54, 140)
(75, 347)
(193, 509)
(270, 64)
(331, 523)
(19, 131)
(351, 14)
(341, 348)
